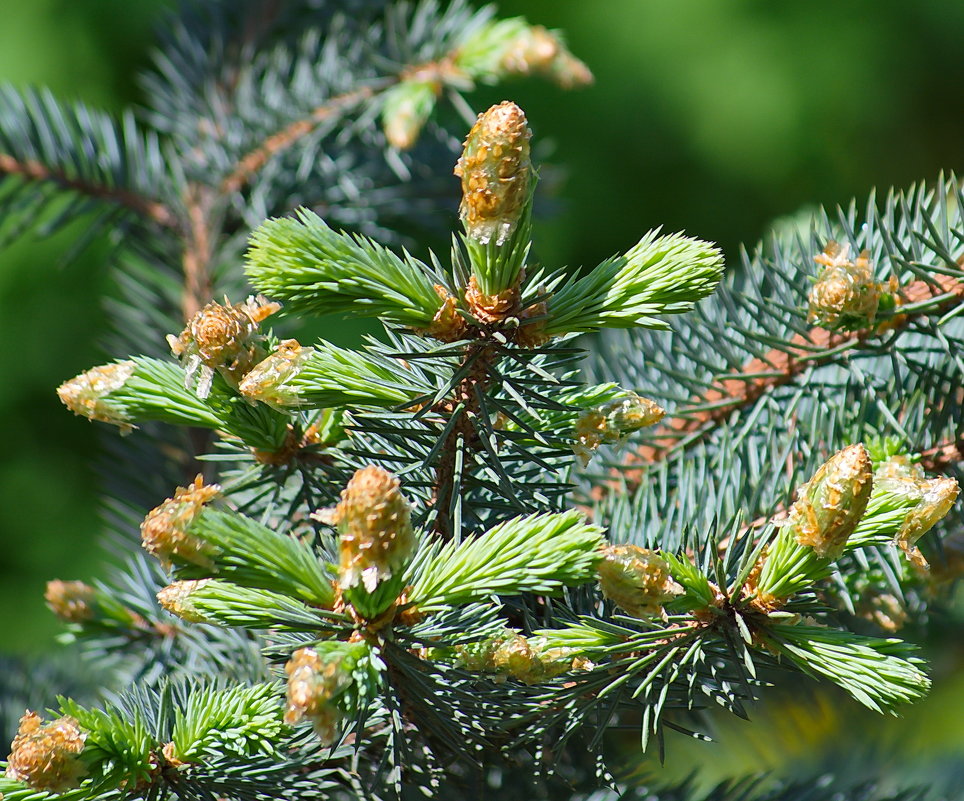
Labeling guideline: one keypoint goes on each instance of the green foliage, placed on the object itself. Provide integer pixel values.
(659, 275)
(315, 270)
(539, 553)
(250, 554)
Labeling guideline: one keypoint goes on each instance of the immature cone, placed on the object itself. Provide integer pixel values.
(610, 422)
(164, 531)
(377, 540)
(44, 756)
(87, 393)
(314, 681)
(268, 380)
(829, 506)
(846, 294)
(223, 338)
(496, 173)
(636, 579)
(71, 601)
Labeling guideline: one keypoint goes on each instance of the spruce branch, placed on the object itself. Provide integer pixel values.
(315, 270)
(659, 275)
(539, 553)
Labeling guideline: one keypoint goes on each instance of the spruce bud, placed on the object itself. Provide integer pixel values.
(935, 497)
(268, 380)
(612, 421)
(315, 682)
(71, 601)
(164, 532)
(537, 50)
(44, 756)
(845, 294)
(223, 338)
(87, 394)
(176, 599)
(637, 580)
(377, 540)
(829, 506)
(406, 108)
(496, 174)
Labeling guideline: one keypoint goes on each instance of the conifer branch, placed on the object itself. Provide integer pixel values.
(255, 159)
(150, 209)
(781, 365)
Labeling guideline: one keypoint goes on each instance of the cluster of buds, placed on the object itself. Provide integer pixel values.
(88, 394)
(315, 682)
(268, 380)
(637, 580)
(222, 338)
(45, 756)
(526, 659)
(928, 500)
(829, 506)
(376, 540)
(496, 174)
(610, 422)
(164, 532)
(845, 294)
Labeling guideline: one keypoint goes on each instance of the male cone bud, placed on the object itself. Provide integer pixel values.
(637, 580)
(829, 506)
(377, 540)
(496, 173)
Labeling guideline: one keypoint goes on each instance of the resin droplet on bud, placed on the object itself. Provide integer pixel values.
(223, 338)
(637, 580)
(268, 380)
(176, 599)
(830, 505)
(87, 394)
(71, 601)
(612, 421)
(377, 540)
(44, 756)
(845, 294)
(496, 174)
(164, 531)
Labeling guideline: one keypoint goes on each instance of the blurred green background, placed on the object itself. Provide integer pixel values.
(713, 116)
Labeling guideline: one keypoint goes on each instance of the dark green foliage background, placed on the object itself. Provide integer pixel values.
(711, 115)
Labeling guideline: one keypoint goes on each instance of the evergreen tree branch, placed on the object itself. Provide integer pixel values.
(150, 209)
(782, 364)
(287, 137)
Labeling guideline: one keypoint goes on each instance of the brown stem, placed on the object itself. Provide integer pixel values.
(196, 259)
(441, 71)
(463, 431)
(151, 209)
(943, 455)
(781, 365)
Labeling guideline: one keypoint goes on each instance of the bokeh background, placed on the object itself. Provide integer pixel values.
(713, 116)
